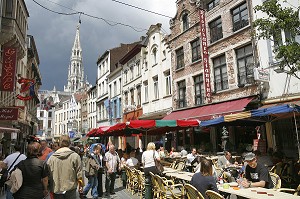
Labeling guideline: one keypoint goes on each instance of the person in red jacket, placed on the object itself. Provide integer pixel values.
(45, 150)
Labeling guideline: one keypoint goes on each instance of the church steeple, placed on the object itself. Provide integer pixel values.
(75, 69)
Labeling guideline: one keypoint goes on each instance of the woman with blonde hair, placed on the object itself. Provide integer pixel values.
(148, 159)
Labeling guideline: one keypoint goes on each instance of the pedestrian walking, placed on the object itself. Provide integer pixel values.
(35, 175)
(112, 160)
(10, 162)
(91, 172)
(100, 158)
(45, 150)
(65, 171)
(55, 148)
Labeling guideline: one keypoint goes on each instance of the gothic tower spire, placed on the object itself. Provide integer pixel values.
(75, 69)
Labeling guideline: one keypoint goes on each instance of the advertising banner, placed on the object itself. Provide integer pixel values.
(9, 113)
(205, 60)
(8, 76)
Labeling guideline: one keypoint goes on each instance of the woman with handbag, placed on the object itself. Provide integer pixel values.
(35, 175)
(91, 169)
(148, 159)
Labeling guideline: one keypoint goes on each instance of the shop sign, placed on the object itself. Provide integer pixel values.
(9, 113)
(205, 60)
(261, 74)
(8, 76)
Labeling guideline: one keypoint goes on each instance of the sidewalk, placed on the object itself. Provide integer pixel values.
(121, 192)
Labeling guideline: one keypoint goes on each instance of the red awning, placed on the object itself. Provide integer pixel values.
(210, 111)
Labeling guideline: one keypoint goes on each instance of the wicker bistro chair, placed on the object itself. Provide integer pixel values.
(180, 166)
(132, 182)
(173, 164)
(155, 186)
(127, 170)
(213, 195)
(167, 188)
(141, 182)
(291, 191)
(275, 180)
(192, 192)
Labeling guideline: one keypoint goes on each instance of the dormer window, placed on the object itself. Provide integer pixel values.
(185, 22)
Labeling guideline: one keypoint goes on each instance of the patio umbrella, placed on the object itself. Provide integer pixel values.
(91, 132)
(274, 113)
(96, 132)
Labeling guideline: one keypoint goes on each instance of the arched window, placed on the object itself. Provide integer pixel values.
(154, 56)
(185, 22)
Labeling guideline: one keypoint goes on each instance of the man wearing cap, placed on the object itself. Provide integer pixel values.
(257, 175)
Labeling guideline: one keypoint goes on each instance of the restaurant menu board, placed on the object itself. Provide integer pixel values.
(260, 145)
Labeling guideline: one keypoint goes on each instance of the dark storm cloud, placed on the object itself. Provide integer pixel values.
(54, 34)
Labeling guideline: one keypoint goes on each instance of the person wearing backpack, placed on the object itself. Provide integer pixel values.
(10, 162)
(91, 171)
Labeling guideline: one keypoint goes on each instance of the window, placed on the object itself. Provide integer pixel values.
(138, 68)
(42, 114)
(199, 89)
(132, 97)
(115, 109)
(110, 91)
(49, 114)
(131, 73)
(240, 17)
(155, 86)
(154, 56)
(126, 98)
(168, 83)
(115, 88)
(185, 22)
(125, 75)
(196, 50)
(215, 28)
(49, 123)
(146, 91)
(180, 58)
(212, 4)
(9, 8)
(120, 86)
(220, 73)
(139, 97)
(245, 65)
(181, 94)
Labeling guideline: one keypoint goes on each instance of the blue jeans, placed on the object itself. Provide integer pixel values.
(92, 184)
(8, 193)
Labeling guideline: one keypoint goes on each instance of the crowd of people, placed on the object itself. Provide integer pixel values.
(58, 172)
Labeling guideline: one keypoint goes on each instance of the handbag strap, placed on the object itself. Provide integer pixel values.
(154, 156)
(13, 162)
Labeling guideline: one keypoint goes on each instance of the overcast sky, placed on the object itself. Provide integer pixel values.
(54, 34)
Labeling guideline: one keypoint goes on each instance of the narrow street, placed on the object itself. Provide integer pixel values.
(120, 192)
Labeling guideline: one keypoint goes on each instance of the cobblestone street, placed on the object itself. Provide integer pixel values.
(120, 192)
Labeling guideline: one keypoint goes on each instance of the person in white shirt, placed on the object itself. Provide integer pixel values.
(10, 162)
(183, 152)
(132, 161)
(190, 159)
(148, 159)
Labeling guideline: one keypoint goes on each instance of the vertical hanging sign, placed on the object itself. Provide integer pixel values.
(205, 60)
(8, 77)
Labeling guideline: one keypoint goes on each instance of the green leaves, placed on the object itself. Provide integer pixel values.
(280, 21)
